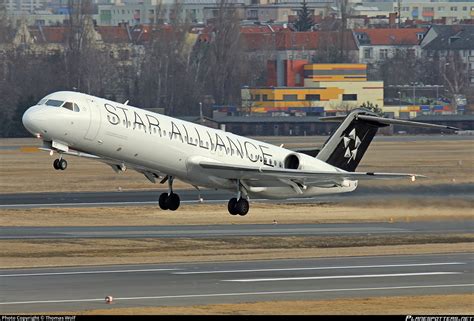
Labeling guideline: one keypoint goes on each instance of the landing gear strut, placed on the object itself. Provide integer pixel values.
(238, 205)
(60, 164)
(169, 201)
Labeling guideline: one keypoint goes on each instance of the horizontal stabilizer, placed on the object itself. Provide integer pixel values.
(391, 121)
(388, 121)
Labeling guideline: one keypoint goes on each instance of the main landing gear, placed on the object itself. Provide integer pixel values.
(60, 164)
(238, 205)
(169, 201)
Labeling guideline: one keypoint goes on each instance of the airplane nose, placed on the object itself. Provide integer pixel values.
(26, 120)
(30, 121)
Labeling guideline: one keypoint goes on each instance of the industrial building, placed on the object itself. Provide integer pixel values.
(312, 90)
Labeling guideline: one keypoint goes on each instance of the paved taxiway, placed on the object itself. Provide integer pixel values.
(150, 197)
(222, 231)
(70, 289)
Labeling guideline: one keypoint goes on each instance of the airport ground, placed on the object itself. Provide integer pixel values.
(447, 161)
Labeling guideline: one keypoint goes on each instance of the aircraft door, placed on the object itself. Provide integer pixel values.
(94, 120)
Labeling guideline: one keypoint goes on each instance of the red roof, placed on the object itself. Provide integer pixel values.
(205, 35)
(389, 36)
(114, 34)
(285, 40)
(260, 28)
(54, 34)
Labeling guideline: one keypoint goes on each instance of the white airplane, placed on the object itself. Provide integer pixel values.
(164, 148)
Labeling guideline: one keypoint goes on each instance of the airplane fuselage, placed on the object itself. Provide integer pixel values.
(138, 138)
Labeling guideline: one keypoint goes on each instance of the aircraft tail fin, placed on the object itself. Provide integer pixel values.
(346, 147)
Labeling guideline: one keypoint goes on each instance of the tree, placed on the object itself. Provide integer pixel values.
(305, 19)
(224, 56)
(373, 108)
(343, 7)
(455, 74)
(165, 77)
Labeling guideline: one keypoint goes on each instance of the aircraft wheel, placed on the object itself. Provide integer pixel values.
(56, 164)
(62, 164)
(162, 201)
(172, 202)
(242, 207)
(231, 206)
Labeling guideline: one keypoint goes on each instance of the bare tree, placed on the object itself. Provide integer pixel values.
(455, 75)
(344, 10)
(224, 54)
(166, 70)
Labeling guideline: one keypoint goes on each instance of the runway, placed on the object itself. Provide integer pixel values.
(239, 230)
(79, 288)
(150, 197)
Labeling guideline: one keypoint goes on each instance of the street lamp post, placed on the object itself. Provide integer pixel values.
(399, 103)
(414, 93)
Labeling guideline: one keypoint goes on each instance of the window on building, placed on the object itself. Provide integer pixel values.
(265, 97)
(349, 97)
(290, 97)
(257, 97)
(368, 53)
(464, 8)
(313, 97)
(419, 36)
(253, 14)
(440, 8)
(454, 8)
(383, 53)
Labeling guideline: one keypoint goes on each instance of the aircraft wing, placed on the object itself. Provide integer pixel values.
(308, 177)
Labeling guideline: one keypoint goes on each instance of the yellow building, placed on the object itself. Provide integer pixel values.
(328, 89)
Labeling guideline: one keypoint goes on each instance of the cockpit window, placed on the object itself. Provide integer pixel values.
(71, 106)
(68, 105)
(42, 101)
(54, 103)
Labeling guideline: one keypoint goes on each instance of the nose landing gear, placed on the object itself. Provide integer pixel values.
(60, 164)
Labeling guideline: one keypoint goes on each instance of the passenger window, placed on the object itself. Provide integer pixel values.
(54, 103)
(69, 106)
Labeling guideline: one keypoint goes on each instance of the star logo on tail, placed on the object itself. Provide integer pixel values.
(351, 144)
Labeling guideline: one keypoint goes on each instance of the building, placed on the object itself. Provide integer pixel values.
(448, 45)
(453, 10)
(314, 90)
(155, 11)
(376, 45)
(282, 12)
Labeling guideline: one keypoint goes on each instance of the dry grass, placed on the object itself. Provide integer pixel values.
(442, 161)
(75, 252)
(393, 211)
(451, 304)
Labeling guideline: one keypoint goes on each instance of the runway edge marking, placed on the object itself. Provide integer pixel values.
(82, 272)
(244, 294)
(319, 268)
